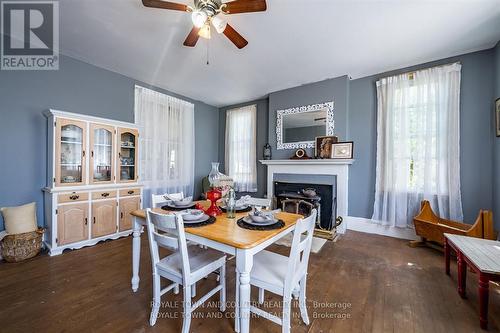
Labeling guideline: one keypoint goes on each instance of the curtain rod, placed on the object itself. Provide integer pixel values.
(410, 74)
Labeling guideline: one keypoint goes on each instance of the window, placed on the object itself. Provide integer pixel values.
(240, 157)
(166, 142)
(418, 148)
(415, 122)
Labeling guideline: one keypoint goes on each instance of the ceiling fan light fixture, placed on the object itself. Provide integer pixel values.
(205, 32)
(199, 18)
(219, 24)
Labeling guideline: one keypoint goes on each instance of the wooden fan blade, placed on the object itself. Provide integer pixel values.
(192, 38)
(235, 37)
(164, 5)
(245, 6)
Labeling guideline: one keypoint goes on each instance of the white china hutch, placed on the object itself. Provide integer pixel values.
(92, 180)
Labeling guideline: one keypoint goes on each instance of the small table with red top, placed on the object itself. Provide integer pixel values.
(483, 257)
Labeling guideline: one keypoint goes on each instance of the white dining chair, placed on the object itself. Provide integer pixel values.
(158, 200)
(283, 275)
(183, 267)
(261, 202)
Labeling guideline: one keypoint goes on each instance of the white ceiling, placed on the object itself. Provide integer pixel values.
(293, 43)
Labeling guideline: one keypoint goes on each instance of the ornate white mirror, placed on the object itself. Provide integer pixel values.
(298, 127)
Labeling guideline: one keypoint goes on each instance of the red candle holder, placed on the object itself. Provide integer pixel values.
(214, 195)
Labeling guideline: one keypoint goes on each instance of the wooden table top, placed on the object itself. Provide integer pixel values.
(484, 253)
(226, 231)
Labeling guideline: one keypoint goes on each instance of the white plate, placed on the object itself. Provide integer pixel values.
(237, 208)
(248, 219)
(203, 218)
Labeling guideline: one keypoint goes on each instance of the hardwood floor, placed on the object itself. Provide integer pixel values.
(362, 283)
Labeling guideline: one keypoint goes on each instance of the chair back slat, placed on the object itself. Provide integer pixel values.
(166, 241)
(173, 236)
(301, 247)
(262, 202)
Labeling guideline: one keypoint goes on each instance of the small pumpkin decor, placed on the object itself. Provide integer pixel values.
(23, 238)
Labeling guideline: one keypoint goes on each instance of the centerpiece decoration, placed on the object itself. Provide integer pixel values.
(214, 177)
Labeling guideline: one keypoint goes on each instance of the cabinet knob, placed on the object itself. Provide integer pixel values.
(86, 221)
(105, 194)
(94, 219)
(74, 197)
(130, 192)
(121, 215)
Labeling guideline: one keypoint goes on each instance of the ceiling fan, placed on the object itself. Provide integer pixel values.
(205, 12)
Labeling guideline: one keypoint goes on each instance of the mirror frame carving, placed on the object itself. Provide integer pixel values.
(330, 124)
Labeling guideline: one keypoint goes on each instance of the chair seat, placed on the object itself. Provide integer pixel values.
(269, 271)
(200, 262)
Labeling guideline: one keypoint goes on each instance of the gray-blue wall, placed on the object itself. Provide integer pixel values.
(355, 120)
(476, 159)
(496, 146)
(76, 87)
(336, 90)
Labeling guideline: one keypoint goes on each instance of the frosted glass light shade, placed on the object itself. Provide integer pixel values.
(219, 24)
(199, 18)
(205, 32)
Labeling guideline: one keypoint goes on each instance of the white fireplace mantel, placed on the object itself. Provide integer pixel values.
(338, 168)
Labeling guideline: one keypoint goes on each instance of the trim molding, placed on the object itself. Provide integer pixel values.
(372, 227)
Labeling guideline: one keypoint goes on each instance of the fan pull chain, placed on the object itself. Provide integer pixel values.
(208, 53)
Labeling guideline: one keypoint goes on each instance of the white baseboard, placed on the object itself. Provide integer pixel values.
(372, 227)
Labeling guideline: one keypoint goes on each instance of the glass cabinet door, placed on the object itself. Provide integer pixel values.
(101, 155)
(70, 152)
(127, 154)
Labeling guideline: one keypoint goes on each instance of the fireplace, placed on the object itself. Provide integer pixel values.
(302, 198)
(315, 171)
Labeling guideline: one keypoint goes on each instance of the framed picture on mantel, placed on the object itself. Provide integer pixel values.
(497, 116)
(342, 150)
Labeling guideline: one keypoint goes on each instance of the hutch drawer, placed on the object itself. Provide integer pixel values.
(103, 195)
(73, 196)
(129, 192)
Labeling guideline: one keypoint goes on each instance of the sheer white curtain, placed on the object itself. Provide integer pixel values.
(166, 143)
(241, 142)
(418, 145)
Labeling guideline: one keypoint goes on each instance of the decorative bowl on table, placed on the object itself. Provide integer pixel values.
(192, 214)
(183, 202)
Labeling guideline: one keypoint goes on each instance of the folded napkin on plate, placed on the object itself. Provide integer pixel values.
(267, 214)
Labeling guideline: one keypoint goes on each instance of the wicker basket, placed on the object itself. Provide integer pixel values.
(16, 248)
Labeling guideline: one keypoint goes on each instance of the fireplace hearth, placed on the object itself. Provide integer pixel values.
(302, 198)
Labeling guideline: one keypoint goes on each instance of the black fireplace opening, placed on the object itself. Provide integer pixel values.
(301, 198)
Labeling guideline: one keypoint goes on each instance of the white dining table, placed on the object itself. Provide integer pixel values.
(226, 236)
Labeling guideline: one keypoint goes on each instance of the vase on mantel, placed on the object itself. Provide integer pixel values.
(215, 193)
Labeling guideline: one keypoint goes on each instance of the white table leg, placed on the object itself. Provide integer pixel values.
(244, 263)
(136, 253)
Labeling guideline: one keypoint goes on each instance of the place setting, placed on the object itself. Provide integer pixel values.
(195, 218)
(177, 202)
(261, 220)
